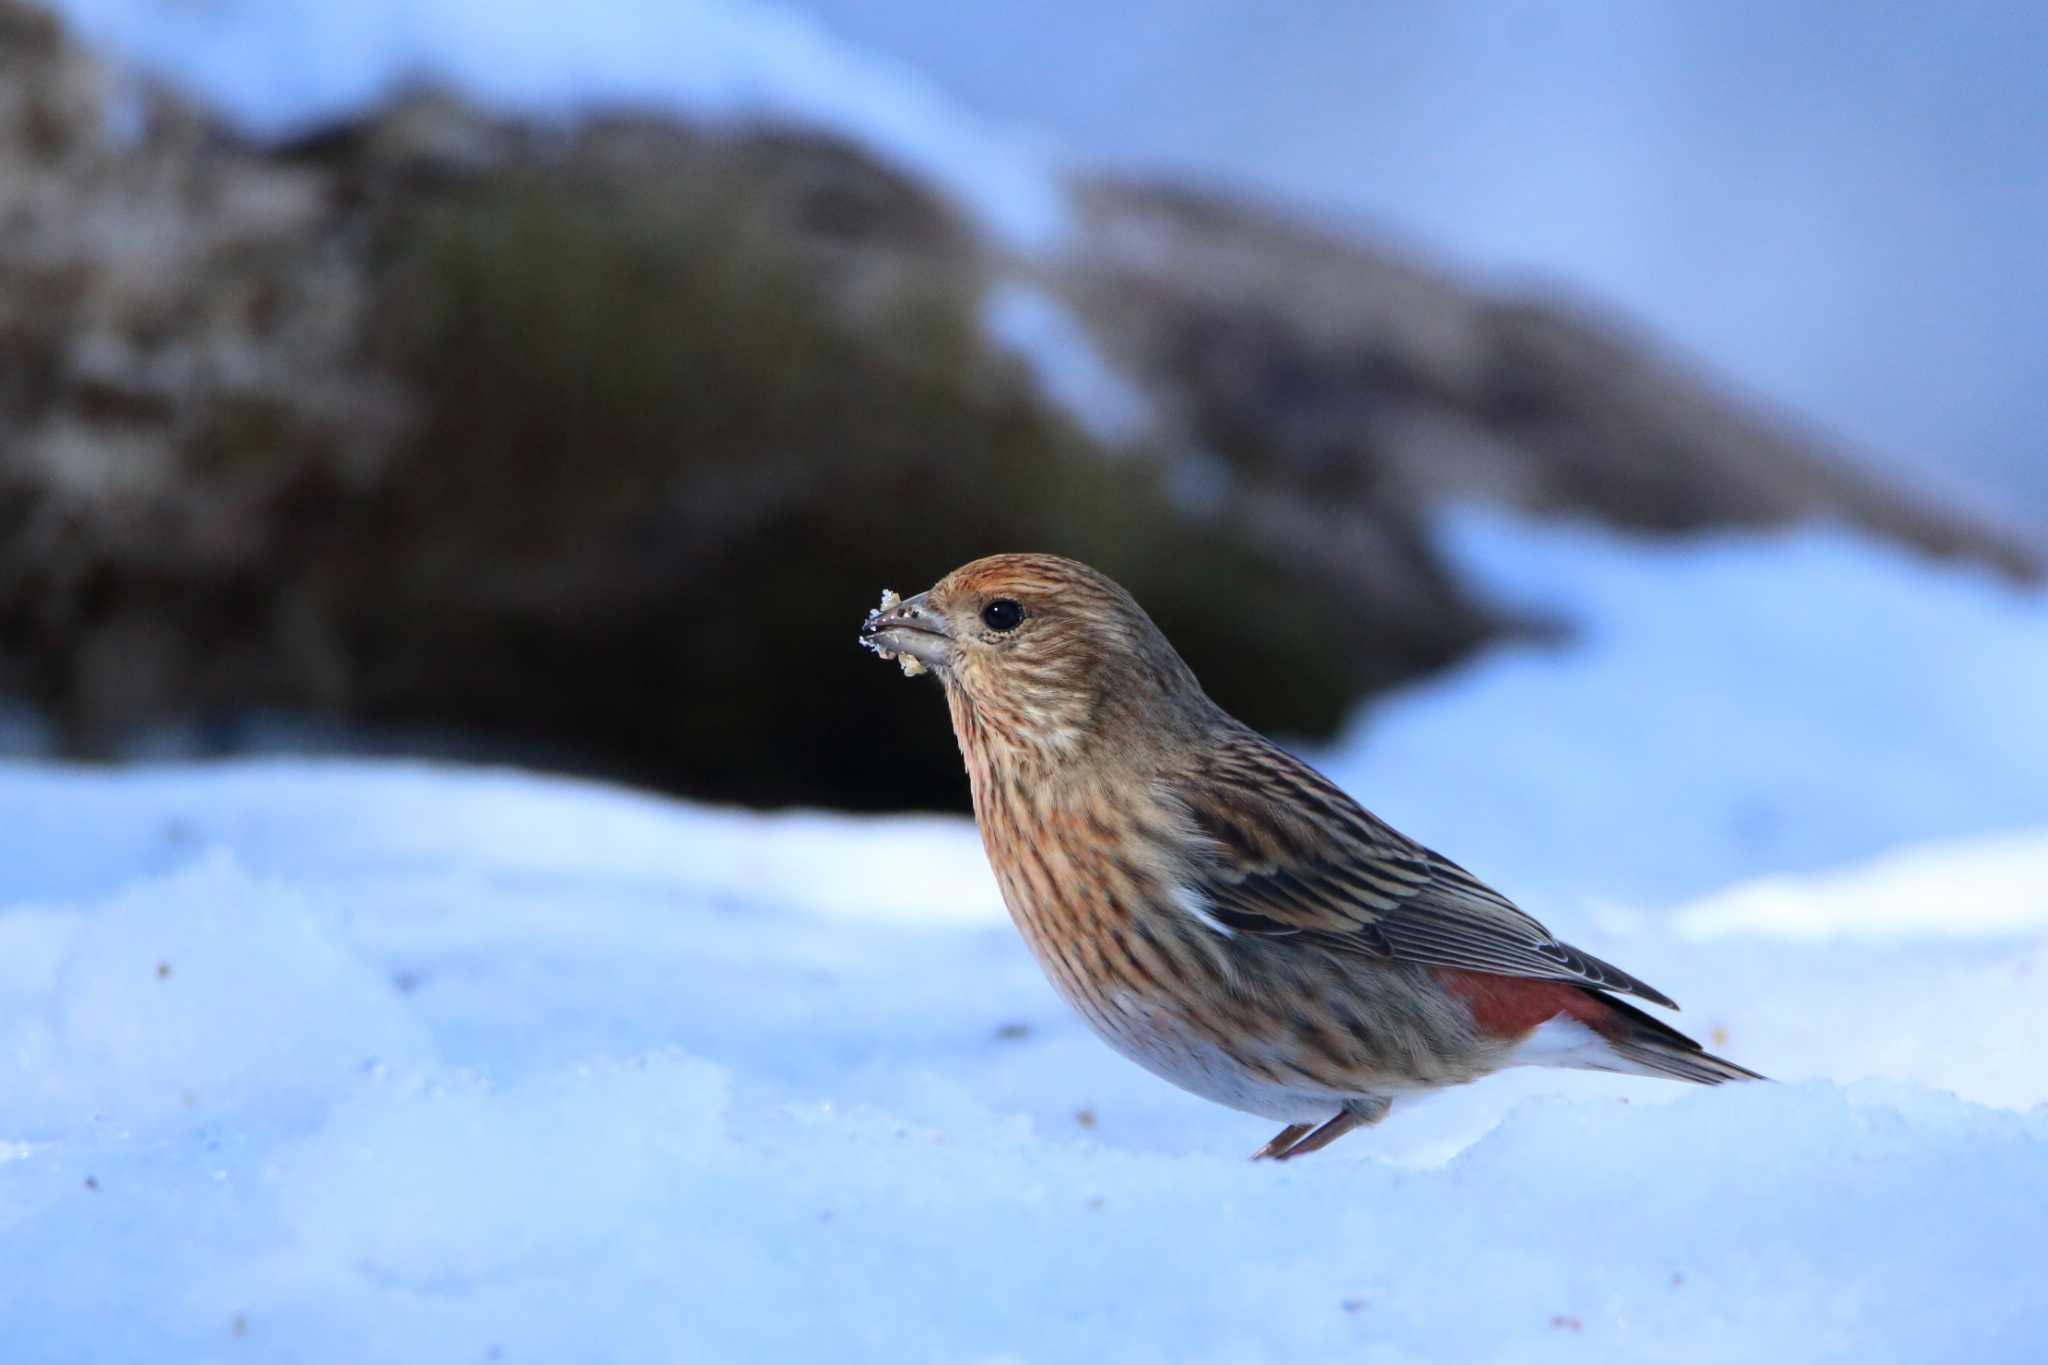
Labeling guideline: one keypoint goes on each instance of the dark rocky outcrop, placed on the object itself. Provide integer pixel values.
(1312, 360)
(595, 442)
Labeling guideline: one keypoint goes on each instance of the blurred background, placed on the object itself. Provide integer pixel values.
(465, 378)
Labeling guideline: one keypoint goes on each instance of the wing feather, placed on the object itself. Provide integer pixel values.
(1291, 857)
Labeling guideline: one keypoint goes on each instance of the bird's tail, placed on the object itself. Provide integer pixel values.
(1652, 1047)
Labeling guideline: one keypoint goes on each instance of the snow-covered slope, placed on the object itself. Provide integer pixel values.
(384, 1062)
(1728, 706)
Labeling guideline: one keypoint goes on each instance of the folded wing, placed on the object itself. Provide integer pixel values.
(1289, 856)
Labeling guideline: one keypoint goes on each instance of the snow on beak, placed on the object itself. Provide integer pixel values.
(909, 631)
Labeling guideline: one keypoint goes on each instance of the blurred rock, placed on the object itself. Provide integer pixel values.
(595, 442)
(1319, 363)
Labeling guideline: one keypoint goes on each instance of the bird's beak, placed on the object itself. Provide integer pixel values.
(910, 629)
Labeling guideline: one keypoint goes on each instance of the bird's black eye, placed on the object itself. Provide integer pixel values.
(1002, 614)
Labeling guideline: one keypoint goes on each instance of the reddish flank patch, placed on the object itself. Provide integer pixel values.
(1512, 1006)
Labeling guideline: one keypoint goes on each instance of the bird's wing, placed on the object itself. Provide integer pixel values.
(1285, 854)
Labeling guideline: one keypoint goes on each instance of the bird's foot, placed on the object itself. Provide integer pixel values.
(1276, 1150)
(1299, 1139)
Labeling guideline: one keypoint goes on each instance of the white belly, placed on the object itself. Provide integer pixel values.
(1168, 1049)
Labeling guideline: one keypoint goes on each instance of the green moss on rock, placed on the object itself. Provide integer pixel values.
(666, 466)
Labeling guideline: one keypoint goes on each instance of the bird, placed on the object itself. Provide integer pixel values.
(1217, 910)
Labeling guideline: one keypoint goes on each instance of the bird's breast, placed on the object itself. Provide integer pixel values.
(1094, 895)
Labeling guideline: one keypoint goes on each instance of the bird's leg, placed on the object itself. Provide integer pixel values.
(1355, 1114)
(1282, 1140)
(1322, 1137)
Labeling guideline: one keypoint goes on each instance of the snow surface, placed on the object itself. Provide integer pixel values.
(366, 1062)
(1727, 706)
(280, 66)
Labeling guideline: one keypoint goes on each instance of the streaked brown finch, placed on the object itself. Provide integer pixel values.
(1218, 911)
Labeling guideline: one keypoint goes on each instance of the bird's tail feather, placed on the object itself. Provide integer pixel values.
(1651, 1046)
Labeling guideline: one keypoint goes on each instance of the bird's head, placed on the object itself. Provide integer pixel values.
(1042, 656)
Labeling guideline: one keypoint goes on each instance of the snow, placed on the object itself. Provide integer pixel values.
(1729, 705)
(1994, 884)
(411, 1062)
(1063, 357)
(280, 66)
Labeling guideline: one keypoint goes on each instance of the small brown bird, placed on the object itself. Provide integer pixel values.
(1217, 910)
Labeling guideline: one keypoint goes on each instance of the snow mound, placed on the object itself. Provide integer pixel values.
(204, 992)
